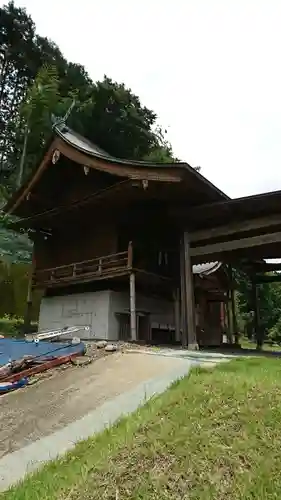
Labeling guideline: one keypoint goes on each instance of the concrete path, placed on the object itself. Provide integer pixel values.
(194, 356)
(67, 395)
(104, 391)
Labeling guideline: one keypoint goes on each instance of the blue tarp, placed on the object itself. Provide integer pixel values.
(12, 349)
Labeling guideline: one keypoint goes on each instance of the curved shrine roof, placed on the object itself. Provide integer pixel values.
(84, 152)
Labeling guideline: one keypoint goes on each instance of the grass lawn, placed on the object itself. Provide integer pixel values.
(246, 344)
(214, 435)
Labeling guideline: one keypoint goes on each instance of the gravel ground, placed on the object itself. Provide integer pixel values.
(63, 395)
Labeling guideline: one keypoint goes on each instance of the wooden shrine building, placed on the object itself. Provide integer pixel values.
(138, 250)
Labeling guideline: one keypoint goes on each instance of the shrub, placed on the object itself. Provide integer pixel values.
(275, 332)
(11, 326)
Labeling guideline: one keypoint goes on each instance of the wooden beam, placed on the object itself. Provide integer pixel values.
(133, 316)
(182, 297)
(229, 246)
(28, 309)
(189, 296)
(235, 227)
(233, 312)
(43, 165)
(225, 323)
(229, 320)
(130, 255)
(258, 332)
(276, 278)
(233, 306)
(229, 207)
(177, 315)
(263, 267)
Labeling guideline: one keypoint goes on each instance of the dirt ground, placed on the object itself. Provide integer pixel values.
(68, 394)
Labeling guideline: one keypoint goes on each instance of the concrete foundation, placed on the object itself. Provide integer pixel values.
(97, 310)
(80, 309)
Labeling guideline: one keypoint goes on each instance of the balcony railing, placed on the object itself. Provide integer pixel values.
(100, 268)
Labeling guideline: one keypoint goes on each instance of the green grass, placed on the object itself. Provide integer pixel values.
(246, 344)
(214, 435)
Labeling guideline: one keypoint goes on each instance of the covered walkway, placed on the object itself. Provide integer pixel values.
(242, 233)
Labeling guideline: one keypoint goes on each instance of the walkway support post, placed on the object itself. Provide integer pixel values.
(233, 307)
(28, 308)
(182, 298)
(234, 318)
(257, 329)
(189, 298)
(177, 315)
(133, 316)
(229, 320)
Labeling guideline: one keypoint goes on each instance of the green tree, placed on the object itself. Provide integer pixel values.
(106, 112)
(14, 247)
(16, 39)
(22, 54)
(41, 103)
(112, 117)
(161, 151)
(269, 302)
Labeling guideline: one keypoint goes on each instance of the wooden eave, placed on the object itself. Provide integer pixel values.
(229, 230)
(161, 175)
(172, 174)
(230, 211)
(260, 244)
(82, 152)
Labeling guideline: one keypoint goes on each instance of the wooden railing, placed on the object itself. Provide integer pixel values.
(100, 268)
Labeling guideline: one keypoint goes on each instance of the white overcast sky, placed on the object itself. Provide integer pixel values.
(210, 69)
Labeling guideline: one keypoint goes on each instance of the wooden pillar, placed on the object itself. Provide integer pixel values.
(182, 297)
(133, 316)
(130, 255)
(177, 315)
(234, 318)
(233, 308)
(203, 322)
(28, 308)
(257, 329)
(225, 325)
(229, 322)
(189, 296)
